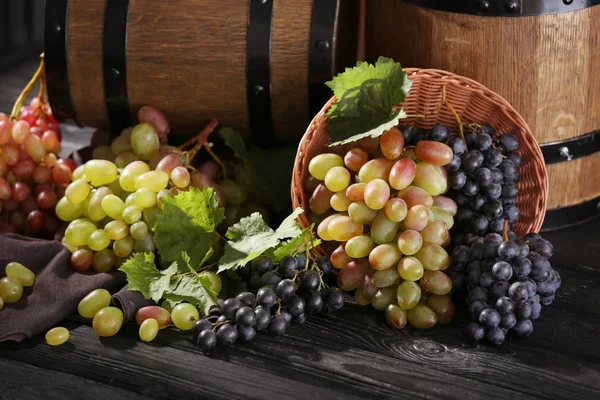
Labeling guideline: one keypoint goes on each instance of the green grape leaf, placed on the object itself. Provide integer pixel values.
(252, 237)
(144, 277)
(295, 245)
(366, 97)
(235, 142)
(188, 223)
(191, 287)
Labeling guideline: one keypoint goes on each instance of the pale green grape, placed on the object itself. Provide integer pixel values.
(124, 159)
(215, 281)
(108, 321)
(22, 273)
(113, 206)
(322, 229)
(377, 194)
(435, 232)
(11, 290)
(132, 214)
(95, 301)
(383, 230)
(103, 152)
(144, 141)
(57, 336)
(343, 228)
(115, 188)
(77, 191)
(337, 179)
(396, 209)
(68, 211)
(384, 256)
(396, 316)
(385, 278)
(339, 201)
(429, 178)
(122, 143)
(408, 295)
(384, 297)
(409, 242)
(123, 247)
(79, 231)
(154, 180)
(417, 218)
(138, 230)
(79, 173)
(95, 210)
(145, 198)
(98, 240)
(184, 316)
(410, 269)
(234, 193)
(359, 212)
(130, 200)
(445, 204)
(433, 257)
(436, 282)
(130, 174)
(116, 230)
(441, 215)
(144, 245)
(359, 246)
(322, 163)
(422, 317)
(104, 260)
(148, 330)
(415, 196)
(378, 168)
(101, 172)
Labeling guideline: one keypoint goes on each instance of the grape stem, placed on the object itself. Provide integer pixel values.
(14, 115)
(505, 230)
(453, 111)
(201, 141)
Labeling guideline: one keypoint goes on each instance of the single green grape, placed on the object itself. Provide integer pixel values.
(132, 214)
(11, 290)
(113, 206)
(79, 173)
(123, 247)
(116, 230)
(154, 180)
(100, 172)
(22, 273)
(144, 245)
(184, 316)
(144, 141)
(68, 211)
(108, 321)
(57, 336)
(94, 209)
(98, 240)
(408, 294)
(130, 173)
(95, 301)
(410, 269)
(145, 198)
(130, 199)
(215, 281)
(148, 330)
(138, 230)
(77, 191)
(422, 317)
(104, 260)
(79, 231)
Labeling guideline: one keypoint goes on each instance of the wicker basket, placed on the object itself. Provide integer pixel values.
(474, 104)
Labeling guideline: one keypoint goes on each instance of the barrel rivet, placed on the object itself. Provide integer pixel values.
(512, 6)
(323, 45)
(263, 1)
(484, 5)
(568, 2)
(56, 27)
(115, 73)
(565, 153)
(258, 90)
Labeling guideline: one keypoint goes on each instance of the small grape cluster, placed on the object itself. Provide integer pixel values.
(389, 225)
(32, 177)
(482, 176)
(279, 295)
(507, 283)
(17, 277)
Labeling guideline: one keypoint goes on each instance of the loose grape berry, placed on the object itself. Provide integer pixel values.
(490, 318)
(246, 333)
(199, 326)
(335, 298)
(247, 299)
(310, 280)
(230, 308)
(271, 278)
(278, 325)
(285, 289)
(505, 305)
(475, 332)
(226, 335)
(518, 292)
(266, 297)
(295, 306)
(288, 267)
(314, 302)
(245, 316)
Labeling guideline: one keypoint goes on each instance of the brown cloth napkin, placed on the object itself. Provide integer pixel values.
(57, 289)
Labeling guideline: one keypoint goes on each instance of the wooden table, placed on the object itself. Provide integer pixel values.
(350, 354)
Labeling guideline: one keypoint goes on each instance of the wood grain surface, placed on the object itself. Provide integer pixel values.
(545, 66)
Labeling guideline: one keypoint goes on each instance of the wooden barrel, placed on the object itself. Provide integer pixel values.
(256, 65)
(543, 56)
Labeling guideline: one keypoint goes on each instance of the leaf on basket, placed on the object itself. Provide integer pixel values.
(366, 97)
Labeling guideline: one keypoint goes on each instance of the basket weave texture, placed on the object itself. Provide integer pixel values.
(474, 103)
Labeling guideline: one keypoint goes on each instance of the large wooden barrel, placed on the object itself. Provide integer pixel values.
(257, 65)
(543, 56)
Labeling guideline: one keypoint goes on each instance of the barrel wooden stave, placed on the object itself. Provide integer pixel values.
(546, 66)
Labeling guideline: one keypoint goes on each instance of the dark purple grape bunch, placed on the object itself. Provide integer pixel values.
(482, 176)
(269, 297)
(506, 284)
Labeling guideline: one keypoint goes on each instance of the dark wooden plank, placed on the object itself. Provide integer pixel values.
(22, 381)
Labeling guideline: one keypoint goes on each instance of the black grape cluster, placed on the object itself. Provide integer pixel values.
(507, 283)
(269, 298)
(482, 176)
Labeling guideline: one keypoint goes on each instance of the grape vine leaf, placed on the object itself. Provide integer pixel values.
(235, 142)
(190, 287)
(251, 237)
(144, 277)
(188, 223)
(367, 96)
(296, 245)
